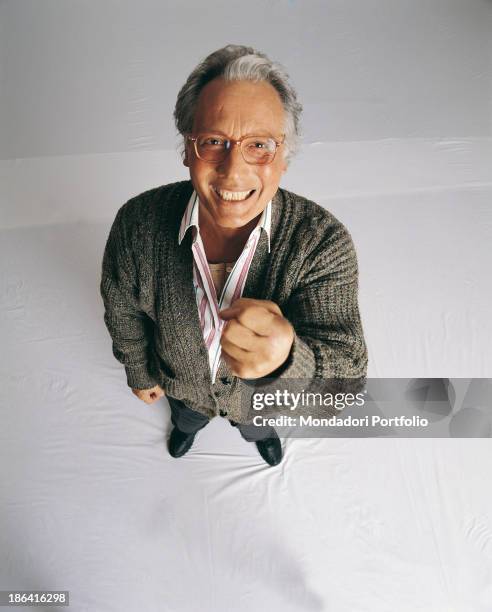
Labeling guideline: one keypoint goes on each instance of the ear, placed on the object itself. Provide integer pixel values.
(285, 163)
(186, 161)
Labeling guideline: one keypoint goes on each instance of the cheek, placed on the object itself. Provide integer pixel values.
(200, 171)
(269, 176)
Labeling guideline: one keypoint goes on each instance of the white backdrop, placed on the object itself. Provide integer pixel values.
(397, 143)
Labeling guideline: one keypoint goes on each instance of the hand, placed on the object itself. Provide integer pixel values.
(149, 396)
(257, 338)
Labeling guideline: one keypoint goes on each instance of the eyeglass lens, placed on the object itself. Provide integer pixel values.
(255, 149)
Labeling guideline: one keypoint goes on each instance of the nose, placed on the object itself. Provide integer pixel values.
(233, 164)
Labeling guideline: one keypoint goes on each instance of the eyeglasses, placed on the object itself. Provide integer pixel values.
(254, 149)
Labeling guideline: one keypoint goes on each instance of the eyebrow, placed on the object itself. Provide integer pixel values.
(221, 133)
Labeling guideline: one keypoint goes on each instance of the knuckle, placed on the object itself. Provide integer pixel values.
(277, 342)
(242, 371)
(255, 371)
(242, 317)
(231, 326)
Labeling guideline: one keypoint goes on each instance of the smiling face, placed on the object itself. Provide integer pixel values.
(235, 109)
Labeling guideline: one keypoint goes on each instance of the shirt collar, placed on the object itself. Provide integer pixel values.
(190, 218)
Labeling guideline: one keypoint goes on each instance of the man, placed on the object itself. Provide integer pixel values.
(228, 277)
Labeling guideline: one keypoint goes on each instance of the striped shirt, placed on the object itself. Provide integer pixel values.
(208, 302)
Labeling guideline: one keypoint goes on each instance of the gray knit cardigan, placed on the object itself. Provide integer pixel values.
(150, 305)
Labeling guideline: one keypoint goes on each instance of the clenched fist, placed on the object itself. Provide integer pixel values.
(257, 338)
(149, 396)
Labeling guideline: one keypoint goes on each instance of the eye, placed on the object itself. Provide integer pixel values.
(257, 145)
(211, 141)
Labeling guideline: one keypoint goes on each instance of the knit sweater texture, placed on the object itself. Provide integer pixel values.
(151, 314)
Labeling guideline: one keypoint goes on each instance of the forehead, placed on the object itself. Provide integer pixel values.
(239, 107)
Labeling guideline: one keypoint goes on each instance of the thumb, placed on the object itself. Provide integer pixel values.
(229, 313)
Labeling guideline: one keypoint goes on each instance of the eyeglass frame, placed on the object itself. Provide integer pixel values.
(237, 142)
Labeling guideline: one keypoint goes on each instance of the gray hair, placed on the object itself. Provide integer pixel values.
(240, 63)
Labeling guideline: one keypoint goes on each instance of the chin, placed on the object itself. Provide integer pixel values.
(231, 220)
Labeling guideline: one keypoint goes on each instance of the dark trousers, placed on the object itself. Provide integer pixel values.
(191, 421)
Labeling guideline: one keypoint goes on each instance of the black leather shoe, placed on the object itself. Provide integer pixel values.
(270, 449)
(180, 442)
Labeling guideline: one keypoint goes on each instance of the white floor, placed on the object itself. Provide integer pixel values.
(91, 502)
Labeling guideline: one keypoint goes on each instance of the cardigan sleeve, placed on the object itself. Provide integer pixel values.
(323, 309)
(129, 327)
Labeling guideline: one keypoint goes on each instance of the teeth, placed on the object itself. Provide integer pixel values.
(232, 195)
